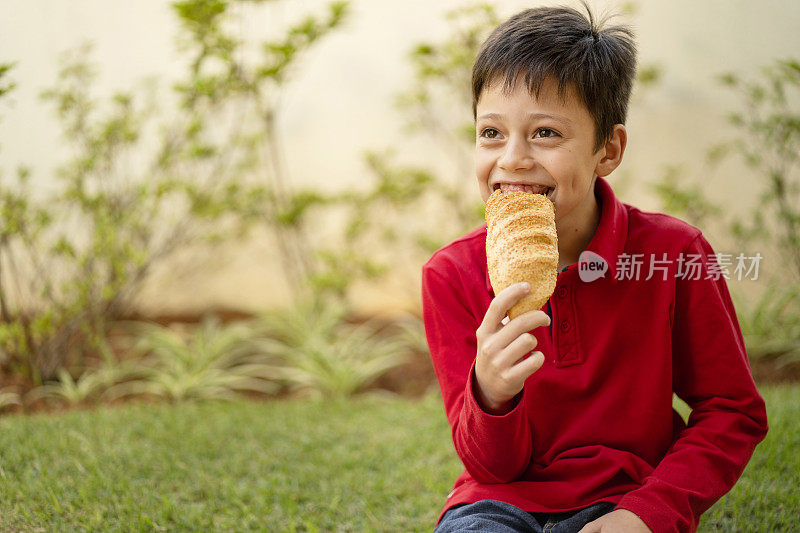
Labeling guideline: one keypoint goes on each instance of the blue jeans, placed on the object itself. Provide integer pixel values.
(492, 516)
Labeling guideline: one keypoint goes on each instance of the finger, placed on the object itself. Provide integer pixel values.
(521, 346)
(521, 324)
(589, 528)
(500, 305)
(522, 370)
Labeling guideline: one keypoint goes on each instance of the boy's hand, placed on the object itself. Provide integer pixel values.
(500, 366)
(618, 521)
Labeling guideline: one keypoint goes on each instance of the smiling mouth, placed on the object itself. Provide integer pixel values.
(531, 189)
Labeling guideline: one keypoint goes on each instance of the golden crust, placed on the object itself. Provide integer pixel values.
(522, 245)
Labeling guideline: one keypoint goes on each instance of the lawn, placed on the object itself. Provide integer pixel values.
(369, 464)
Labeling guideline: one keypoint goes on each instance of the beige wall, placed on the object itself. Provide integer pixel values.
(341, 101)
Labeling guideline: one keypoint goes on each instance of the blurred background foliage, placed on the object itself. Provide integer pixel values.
(144, 183)
(766, 137)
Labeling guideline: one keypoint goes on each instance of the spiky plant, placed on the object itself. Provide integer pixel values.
(771, 323)
(7, 398)
(213, 361)
(320, 354)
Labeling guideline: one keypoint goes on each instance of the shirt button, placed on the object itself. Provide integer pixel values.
(562, 292)
(565, 325)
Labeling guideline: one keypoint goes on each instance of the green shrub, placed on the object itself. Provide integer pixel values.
(7, 398)
(145, 183)
(771, 323)
(88, 387)
(321, 354)
(213, 361)
(767, 139)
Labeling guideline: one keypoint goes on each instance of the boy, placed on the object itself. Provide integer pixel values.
(580, 435)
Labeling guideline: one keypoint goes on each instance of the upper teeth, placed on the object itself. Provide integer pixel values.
(533, 189)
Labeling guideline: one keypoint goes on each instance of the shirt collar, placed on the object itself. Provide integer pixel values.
(612, 231)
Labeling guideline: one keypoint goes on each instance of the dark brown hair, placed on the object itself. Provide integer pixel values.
(599, 62)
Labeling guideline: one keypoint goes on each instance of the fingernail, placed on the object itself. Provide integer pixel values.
(525, 286)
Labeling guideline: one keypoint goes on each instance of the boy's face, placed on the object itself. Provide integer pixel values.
(533, 141)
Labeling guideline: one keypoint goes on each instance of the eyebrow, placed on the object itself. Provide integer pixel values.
(529, 116)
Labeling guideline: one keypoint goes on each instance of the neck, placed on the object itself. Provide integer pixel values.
(576, 231)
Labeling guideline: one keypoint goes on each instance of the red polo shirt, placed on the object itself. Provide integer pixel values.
(595, 422)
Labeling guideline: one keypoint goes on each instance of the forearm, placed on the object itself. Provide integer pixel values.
(711, 374)
(495, 448)
(701, 466)
(728, 417)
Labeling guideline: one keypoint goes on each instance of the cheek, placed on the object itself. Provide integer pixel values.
(483, 167)
(483, 164)
(566, 169)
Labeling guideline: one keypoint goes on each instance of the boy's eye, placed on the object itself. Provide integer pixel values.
(545, 133)
(490, 133)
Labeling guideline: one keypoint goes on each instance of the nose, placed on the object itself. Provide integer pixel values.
(517, 156)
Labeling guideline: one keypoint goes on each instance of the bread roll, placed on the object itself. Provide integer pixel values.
(522, 245)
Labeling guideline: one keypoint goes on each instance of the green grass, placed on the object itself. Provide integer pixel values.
(368, 464)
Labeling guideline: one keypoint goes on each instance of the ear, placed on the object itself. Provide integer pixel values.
(611, 153)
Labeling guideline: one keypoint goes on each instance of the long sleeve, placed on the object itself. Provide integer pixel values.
(728, 419)
(494, 449)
